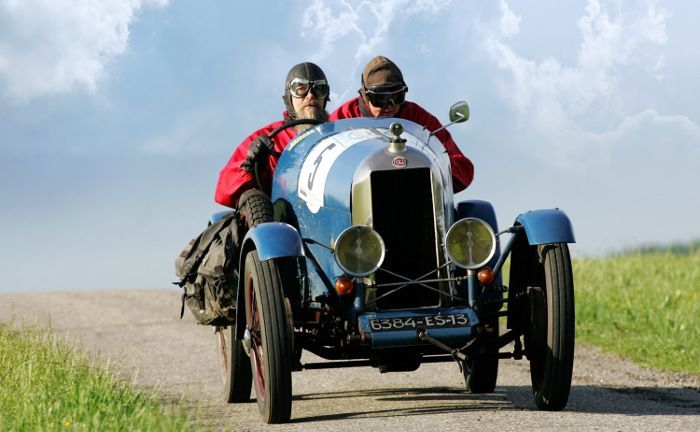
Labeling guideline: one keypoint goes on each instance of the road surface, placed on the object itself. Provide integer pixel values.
(139, 332)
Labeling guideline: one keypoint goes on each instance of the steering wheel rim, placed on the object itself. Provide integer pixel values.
(291, 123)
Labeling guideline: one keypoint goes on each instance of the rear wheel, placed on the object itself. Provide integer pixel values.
(270, 339)
(549, 342)
(234, 365)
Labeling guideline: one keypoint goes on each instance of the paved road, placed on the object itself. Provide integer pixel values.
(141, 335)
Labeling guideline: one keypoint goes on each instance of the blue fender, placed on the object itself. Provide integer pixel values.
(478, 209)
(273, 240)
(216, 217)
(546, 226)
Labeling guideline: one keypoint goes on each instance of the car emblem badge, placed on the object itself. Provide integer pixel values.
(399, 162)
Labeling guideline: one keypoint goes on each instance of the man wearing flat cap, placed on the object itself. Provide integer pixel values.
(383, 94)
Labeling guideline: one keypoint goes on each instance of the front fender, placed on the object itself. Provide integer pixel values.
(546, 226)
(271, 240)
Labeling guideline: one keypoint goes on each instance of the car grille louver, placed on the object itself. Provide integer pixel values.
(403, 214)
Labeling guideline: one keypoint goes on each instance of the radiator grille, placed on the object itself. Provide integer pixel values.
(403, 214)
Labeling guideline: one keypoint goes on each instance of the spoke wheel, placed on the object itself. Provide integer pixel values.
(549, 342)
(270, 339)
(234, 366)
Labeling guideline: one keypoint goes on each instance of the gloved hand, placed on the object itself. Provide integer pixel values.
(259, 149)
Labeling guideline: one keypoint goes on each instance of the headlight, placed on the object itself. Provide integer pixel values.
(359, 250)
(471, 243)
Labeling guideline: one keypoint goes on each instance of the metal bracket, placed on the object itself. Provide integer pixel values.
(422, 335)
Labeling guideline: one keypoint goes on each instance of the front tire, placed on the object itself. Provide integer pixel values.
(271, 348)
(481, 373)
(549, 342)
(234, 363)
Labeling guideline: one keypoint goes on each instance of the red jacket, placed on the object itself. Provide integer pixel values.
(462, 167)
(234, 180)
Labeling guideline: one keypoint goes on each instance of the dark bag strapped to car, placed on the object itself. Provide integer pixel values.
(208, 273)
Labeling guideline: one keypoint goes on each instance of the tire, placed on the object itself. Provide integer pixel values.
(549, 342)
(234, 365)
(271, 348)
(480, 374)
(256, 209)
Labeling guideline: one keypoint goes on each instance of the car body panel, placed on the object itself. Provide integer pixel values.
(274, 240)
(323, 171)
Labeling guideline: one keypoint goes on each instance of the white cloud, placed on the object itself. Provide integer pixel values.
(510, 23)
(364, 25)
(653, 136)
(581, 104)
(54, 46)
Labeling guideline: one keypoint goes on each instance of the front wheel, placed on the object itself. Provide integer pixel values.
(481, 373)
(549, 342)
(270, 339)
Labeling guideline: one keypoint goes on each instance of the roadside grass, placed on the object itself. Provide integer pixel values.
(47, 385)
(643, 306)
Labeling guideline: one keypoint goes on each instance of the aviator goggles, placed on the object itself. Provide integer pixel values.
(383, 96)
(300, 87)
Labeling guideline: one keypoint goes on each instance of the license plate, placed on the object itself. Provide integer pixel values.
(414, 323)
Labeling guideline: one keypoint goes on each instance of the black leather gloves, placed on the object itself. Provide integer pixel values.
(259, 149)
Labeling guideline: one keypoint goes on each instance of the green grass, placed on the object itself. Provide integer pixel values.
(47, 386)
(644, 306)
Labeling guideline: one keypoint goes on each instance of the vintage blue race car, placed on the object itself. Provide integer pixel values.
(369, 261)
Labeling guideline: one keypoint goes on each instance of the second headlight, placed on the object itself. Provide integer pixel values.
(471, 243)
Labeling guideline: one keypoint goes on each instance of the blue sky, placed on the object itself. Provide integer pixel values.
(116, 116)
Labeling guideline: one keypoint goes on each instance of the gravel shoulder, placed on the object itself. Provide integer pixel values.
(141, 336)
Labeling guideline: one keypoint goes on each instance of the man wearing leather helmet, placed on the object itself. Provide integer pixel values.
(207, 265)
(305, 96)
(383, 94)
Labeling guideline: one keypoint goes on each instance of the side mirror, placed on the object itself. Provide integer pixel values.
(459, 112)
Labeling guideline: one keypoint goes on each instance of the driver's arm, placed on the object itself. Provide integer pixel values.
(233, 179)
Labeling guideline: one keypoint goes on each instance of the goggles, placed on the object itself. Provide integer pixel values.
(300, 87)
(383, 96)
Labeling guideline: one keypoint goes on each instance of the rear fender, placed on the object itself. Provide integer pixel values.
(216, 217)
(272, 240)
(546, 226)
